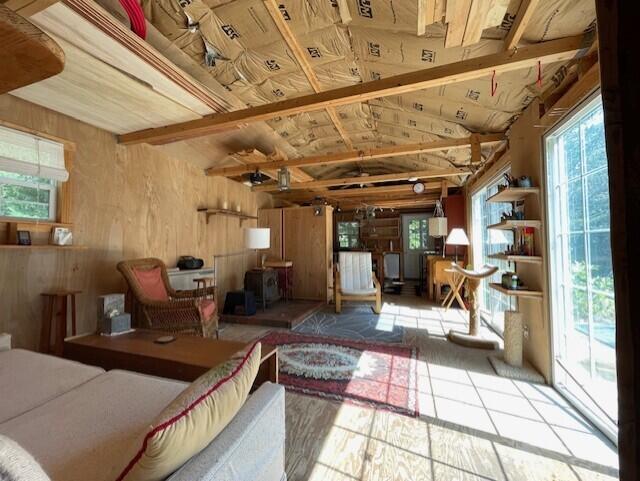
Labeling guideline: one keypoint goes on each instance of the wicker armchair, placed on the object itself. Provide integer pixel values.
(159, 306)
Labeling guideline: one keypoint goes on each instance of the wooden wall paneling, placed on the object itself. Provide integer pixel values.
(127, 202)
(305, 240)
(273, 219)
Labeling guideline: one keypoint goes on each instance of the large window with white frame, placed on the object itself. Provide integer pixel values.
(486, 242)
(580, 265)
(30, 169)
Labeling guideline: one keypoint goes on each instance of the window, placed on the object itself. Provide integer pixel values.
(30, 169)
(348, 234)
(418, 234)
(486, 242)
(580, 266)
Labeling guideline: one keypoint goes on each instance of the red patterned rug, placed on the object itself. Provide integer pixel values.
(374, 374)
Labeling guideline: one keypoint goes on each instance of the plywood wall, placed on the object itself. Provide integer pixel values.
(128, 202)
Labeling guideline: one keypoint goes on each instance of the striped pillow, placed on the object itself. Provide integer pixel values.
(194, 418)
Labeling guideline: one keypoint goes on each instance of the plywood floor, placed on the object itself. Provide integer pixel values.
(474, 425)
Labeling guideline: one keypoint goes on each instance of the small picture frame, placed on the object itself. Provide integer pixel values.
(61, 236)
(23, 238)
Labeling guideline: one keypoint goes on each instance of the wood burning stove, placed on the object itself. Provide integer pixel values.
(264, 284)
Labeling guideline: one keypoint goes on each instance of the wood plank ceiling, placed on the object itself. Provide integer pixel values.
(335, 89)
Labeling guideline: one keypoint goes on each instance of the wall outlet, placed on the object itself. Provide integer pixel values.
(525, 331)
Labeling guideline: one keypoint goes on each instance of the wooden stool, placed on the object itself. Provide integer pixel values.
(203, 282)
(54, 300)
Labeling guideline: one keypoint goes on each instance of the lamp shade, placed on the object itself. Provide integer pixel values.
(257, 238)
(437, 226)
(457, 237)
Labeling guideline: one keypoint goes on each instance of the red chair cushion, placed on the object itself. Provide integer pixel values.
(150, 281)
(207, 308)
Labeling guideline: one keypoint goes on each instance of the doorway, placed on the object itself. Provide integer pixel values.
(415, 240)
(581, 272)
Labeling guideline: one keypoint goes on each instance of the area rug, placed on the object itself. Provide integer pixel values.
(375, 374)
(357, 322)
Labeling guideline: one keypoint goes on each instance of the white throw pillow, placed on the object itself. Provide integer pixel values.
(16, 464)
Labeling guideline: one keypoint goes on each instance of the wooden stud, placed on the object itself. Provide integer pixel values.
(420, 174)
(547, 52)
(359, 155)
(301, 58)
(523, 16)
(456, 17)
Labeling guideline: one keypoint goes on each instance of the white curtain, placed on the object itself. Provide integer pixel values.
(27, 154)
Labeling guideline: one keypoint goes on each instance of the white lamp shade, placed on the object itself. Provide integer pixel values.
(437, 226)
(257, 238)
(457, 237)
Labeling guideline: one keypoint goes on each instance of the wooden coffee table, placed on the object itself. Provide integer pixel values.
(184, 359)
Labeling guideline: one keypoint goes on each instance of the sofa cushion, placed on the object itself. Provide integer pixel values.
(16, 464)
(355, 271)
(30, 379)
(87, 433)
(151, 283)
(194, 418)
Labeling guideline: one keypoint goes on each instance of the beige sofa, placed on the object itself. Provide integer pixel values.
(79, 421)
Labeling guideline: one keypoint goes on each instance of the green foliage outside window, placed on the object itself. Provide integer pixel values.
(348, 235)
(418, 234)
(25, 196)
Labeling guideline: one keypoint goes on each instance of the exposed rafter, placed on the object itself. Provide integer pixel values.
(370, 192)
(360, 155)
(372, 179)
(298, 53)
(524, 14)
(547, 52)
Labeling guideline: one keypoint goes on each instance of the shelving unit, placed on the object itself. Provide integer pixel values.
(42, 247)
(382, 234)
(517, 258)
(515, 224)
(513, 194)
(227, 213)
(516, 292)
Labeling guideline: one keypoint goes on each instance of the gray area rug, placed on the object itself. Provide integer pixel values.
(357, 322)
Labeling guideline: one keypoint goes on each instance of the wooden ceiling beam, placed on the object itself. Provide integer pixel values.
(423, 201)
(360, 155)
(27, 54)
(547, 52)
(307, 69)
(523, 16)
(372, 179)
(27, 8)
(402, 189)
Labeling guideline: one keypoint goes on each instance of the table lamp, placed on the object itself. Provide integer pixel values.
(257, 238)
(438, 228)
(456, 238)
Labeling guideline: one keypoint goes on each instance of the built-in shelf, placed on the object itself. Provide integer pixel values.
(514, 224)
(227, 213)
(517, 258)
(513, 194)
(516, 292)
(43, 247)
